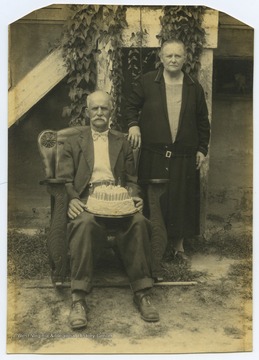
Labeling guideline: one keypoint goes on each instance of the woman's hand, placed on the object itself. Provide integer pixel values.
(200, 157)
(134, 137)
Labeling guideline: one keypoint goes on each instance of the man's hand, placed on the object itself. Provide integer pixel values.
(75, 207)
(200, 157)
(134, 136)
(138, 203)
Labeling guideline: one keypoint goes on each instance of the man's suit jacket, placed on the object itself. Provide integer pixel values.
(77, 162)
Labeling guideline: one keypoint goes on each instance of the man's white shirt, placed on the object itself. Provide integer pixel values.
(102, 167)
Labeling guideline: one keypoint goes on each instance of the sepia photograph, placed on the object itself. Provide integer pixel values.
(130, 190)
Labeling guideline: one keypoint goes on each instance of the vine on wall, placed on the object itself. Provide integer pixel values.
(89, 26)
(115, 56)
(185, 23)
(135, 56)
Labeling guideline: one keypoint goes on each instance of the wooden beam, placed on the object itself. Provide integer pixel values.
(49, 14)
(205, 78)
(36, 84)
(150, 20)
(103, 284)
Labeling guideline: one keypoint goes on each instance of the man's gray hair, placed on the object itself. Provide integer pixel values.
(101, 92)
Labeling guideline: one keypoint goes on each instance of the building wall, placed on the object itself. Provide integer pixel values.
(29, 203)
(231, 162)
(29, 44)
(30, 41)
(230, 184)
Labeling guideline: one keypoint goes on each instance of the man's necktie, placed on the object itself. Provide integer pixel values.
(97, 135)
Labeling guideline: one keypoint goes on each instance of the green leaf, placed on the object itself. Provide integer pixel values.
(96, 8)
(87, 76)
(93, 78)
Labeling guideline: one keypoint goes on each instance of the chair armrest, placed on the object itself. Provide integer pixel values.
(53, 181)
(154, 181)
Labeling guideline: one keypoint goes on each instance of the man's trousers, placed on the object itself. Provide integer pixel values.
(87, 233)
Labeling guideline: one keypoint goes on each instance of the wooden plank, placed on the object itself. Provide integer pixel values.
(150, 19)
(103, 278)
(37, 83)
(102, 284)
(150, 23)
(235, 43)
(210, 25)
(227, 21)
(51, 13)
(205, 78)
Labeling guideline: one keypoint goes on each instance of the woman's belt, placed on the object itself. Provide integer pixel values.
(170, 150)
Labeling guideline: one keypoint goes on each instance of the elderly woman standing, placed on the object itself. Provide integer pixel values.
(167, 116)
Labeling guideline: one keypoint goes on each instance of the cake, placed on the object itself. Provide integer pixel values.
(110, 200)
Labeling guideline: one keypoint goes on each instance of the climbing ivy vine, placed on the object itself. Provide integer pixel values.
(185, 23)
(91, 28)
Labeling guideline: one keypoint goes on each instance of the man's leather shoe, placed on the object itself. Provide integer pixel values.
(144, 304)
(77, 316)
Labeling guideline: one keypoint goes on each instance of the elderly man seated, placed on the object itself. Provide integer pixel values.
(96, 155)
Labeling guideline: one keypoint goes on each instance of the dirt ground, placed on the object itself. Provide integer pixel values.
(214, 315)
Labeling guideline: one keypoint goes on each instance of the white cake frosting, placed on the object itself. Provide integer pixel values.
(110, 200)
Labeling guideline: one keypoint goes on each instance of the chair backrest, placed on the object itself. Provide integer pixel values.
(50, 144)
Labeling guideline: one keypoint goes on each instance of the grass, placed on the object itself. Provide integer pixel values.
(28, 259)
(227, 244)
(237, 281)
(234, 332)
(175, 270)
(241, 273)
(217, 293)
(28, 256)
